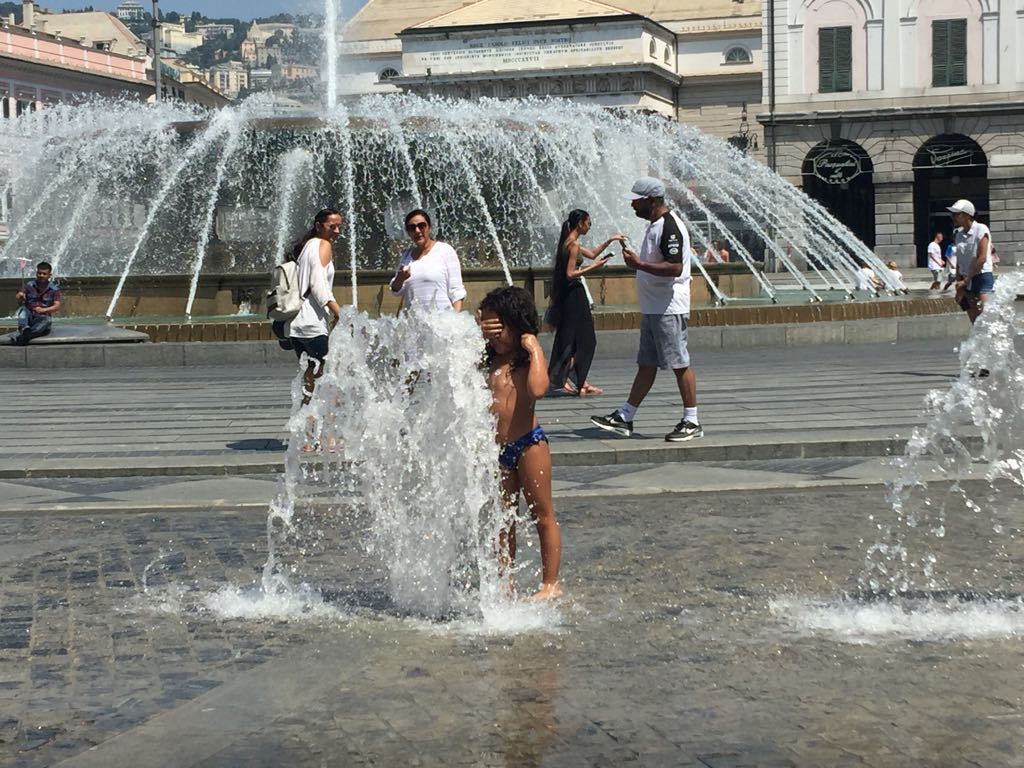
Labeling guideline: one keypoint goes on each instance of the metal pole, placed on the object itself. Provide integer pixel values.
(156, 48)
(771, 85)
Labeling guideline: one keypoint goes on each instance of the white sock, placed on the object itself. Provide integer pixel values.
(690, 415)
(627, 411)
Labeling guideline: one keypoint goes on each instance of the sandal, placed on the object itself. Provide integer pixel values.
(569, 389)
(590, 389)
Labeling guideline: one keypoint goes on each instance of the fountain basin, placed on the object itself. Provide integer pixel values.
(229, 307)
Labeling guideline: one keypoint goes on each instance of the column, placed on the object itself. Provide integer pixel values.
(875, 55)
(990, 35)
(908, 54)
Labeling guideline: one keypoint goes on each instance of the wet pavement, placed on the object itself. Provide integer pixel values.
(684, 640)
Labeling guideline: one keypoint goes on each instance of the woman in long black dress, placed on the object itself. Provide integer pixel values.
(575, 340)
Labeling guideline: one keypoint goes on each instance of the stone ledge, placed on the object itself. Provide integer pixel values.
(620, 341)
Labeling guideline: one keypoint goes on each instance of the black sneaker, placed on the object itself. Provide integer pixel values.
(613, 423)
(685, 430)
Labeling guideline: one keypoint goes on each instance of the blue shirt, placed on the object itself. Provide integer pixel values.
(36, 297)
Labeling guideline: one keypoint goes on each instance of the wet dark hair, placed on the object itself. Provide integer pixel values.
(418, 212)
(558, 279)
(44, 265)
(515, 308)
(320, 218)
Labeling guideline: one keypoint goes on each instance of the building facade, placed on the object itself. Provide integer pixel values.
(92, 29)
(130, 10)
(693, 60)
(230, 78)
(174, 37)
(887, 112)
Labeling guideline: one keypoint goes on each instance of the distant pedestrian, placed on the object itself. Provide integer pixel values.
(572, 352)
(891, 266)
(975, 280)
(428, 275)
(949, 260)
(935, 260)
(663, 285)
(867, 280)
(39, 301)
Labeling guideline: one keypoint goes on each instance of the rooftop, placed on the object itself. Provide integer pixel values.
(383, 19)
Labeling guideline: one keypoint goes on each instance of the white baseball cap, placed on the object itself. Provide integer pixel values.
(962, 206)
(646, 186)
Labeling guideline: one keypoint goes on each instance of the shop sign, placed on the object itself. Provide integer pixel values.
(837, 165)
(944, 155)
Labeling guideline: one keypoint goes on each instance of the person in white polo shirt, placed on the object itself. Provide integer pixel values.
(935, 260)
(975, 281)
(663, 285)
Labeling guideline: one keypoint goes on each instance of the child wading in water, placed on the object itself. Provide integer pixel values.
(518, 377)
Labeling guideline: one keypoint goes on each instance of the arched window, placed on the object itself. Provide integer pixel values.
(668, 54)
(738, 55)
(387, 73)
(654, 49)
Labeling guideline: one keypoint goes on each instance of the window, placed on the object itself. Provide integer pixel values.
(949, 52)
(668, 54)
(653, 49)
(738, 55)
(835, 59)
(387, 73)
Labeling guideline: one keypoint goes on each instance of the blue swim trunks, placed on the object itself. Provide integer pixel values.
(511, 453)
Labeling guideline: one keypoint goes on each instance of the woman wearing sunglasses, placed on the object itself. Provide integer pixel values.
(429, 275)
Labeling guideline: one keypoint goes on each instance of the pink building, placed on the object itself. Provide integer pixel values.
(38, 69)
(887, 111)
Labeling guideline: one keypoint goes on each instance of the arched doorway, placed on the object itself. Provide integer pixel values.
(947, 168)
(838, 174)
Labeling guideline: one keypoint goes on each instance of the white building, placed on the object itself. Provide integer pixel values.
(697, 60)
(211, 31)
(173, 37)
(130, 10)
(888, 112)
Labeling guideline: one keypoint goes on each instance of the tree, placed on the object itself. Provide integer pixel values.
(6, 9)
(173, 17)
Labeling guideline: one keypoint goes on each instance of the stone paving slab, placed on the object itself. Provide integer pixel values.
(759, 403)
(141, 494)
(666, 650)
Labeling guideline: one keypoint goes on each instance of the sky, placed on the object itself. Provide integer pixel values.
(238, 9)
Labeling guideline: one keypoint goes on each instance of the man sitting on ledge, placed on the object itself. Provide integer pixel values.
(40, 299)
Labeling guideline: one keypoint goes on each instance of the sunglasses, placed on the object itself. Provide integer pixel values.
(416, 226)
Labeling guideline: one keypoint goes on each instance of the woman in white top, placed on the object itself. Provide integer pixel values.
(308, 330)
(429, 275)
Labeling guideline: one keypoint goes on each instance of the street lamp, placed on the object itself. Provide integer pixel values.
(156, 48)
(771, 87)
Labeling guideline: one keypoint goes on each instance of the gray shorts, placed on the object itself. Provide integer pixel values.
(663, 342)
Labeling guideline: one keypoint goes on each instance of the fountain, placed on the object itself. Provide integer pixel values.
(150, 191)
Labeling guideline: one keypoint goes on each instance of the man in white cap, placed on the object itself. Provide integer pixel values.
(975, 281)
(663, 285)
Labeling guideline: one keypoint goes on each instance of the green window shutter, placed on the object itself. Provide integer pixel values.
(940, 54)
(827, 60)
(835, 59)
(844, 59)
(958, 52)
(949, 52)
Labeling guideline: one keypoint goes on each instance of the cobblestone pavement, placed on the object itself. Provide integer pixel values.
(665, 652)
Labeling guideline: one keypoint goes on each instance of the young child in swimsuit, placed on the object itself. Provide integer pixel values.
(518, 376)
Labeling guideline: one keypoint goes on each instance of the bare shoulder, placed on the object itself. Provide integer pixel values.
(326, 252)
